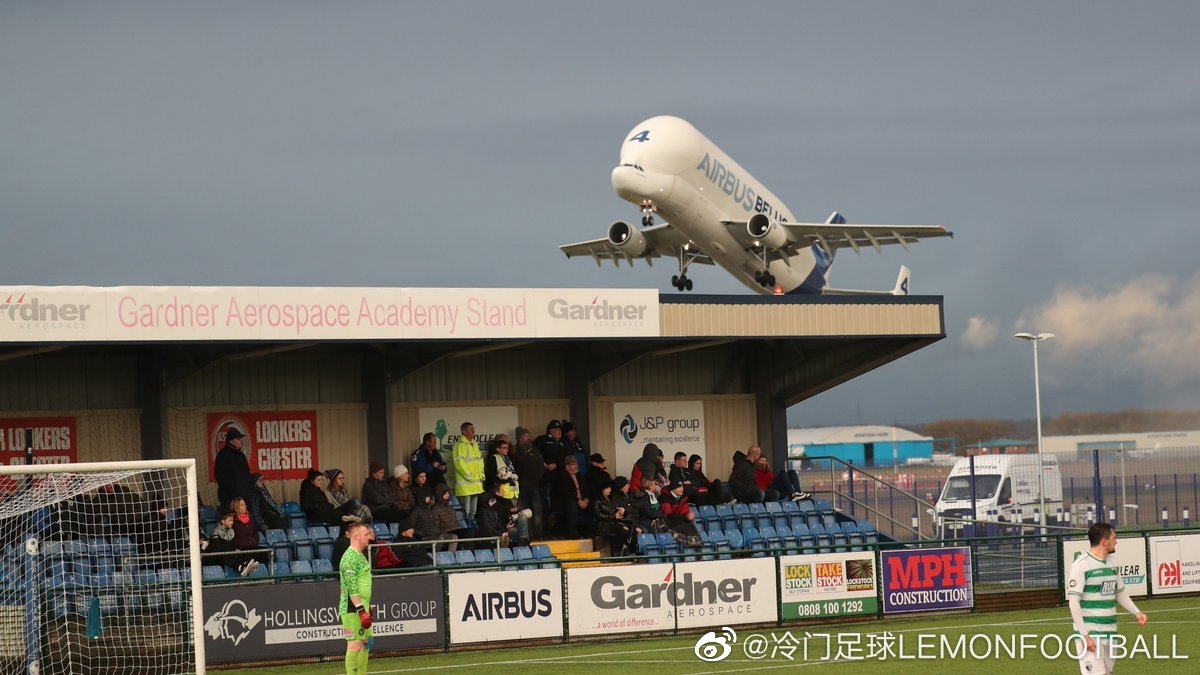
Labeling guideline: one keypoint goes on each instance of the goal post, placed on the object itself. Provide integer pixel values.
(101, 568)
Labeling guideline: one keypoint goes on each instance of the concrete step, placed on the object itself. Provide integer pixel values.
(560, 546)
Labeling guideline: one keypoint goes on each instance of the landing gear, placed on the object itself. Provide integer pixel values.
(647, 215)
(680, 281)
(765, 279)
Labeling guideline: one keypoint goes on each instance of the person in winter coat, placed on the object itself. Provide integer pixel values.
(427, 458)
(317, 506)
(741, 480)
(422, 491)
(609, 519)
(570, 499)
(499, 516)
(436, 520)
(379, 496)
(232, 470)
(530, 466)
(265, 510)
(597, 475)
(500, 468)
(401, 482)
(649, 466)
(716, 492)
(679, 516)
(343, 504)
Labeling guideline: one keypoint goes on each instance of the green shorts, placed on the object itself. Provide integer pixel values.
(353, 630)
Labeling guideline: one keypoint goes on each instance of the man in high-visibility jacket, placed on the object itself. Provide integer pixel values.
(468, 470)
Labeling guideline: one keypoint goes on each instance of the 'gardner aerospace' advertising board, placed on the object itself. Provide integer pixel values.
(828, 585)
(664, 596)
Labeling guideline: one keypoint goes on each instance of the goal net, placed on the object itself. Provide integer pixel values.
(99, 574)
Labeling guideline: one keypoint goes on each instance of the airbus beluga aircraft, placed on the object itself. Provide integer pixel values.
(717, 213)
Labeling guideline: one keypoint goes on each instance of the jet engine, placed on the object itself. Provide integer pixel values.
(768, 232)
(628, 240)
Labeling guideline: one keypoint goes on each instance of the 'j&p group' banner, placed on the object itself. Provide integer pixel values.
(828, 585)
(281, 445)
(674, 426)
(926, 579)
(54, 440)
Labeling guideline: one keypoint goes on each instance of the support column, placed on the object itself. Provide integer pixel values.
(769, 409)
(151, 401)
(374, 394)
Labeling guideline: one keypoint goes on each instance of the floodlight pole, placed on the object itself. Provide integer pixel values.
(1037, 397)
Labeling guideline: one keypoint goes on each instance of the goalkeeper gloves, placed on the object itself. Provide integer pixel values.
(364, 616)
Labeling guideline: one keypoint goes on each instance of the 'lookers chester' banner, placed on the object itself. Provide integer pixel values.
(55, 440)
(280, 444)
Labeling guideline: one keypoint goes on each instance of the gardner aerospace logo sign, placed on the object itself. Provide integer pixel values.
(25, 311)
(598, 312)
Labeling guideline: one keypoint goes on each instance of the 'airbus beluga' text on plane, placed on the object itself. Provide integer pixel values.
(717, 213)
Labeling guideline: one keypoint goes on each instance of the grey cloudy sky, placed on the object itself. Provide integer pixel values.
(458, 143)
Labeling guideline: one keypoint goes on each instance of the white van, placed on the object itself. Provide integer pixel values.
(1004, 485)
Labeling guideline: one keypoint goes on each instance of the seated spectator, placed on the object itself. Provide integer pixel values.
(221, 541)
(421, 489)
(427, 458)
(681, 473)
(597, 475)
(437, 520)
(379, 496)
(405, 499)
(679, 516)
(714, 491)
(265, 510)
(645, 510)
(742, 479)
(499, 517)
(317, 506)
(245, 536)
(609, 518)
(569, 500)
(649, 466)
(343, 504)
(763, 476)
(787, 484)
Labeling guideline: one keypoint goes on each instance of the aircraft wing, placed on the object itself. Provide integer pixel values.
(662, 241)
(833, 236)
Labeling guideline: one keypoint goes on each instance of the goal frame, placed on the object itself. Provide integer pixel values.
(193, 509)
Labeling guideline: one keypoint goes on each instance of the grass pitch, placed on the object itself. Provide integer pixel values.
(1170, 643)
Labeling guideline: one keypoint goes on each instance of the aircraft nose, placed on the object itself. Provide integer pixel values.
(636, 184)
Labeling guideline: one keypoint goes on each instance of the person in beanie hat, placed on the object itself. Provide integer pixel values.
(263, 508)
(336, 493)
(316, 505)
(680, 519)
(401, 482)
(529, 465)
(380, 497)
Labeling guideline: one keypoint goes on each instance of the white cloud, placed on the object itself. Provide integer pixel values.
(981, 333)
(1150, 327)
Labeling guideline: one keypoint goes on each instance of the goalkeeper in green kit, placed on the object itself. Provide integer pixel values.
(355, 600)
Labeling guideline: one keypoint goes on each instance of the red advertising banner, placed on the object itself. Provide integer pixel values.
(55, 440)
(281, 445)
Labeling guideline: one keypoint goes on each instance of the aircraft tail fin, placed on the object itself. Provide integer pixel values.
(902, 280)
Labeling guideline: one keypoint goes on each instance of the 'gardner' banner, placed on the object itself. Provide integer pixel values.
(246, 623)
(926, 579)
(828, 585)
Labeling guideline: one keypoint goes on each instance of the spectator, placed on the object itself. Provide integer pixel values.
(468, 470)
(550, 445)
(741, 480)
(437, 521)
(528, 463)
(379, 496)
(649, 466)
(499, 517)
(717, 492)
(763, 477)
(597, 475)
(120, 505)
(645, 510)
(609, 519)
(574, 446)
(405, 499)
(265, 510)
(421, 489)
(679, 516)
(680, 473)
(500, 468)
(343, 504)
(427, 458)
(245, 536)
(317, 506)
(231, 469)
(570, 501)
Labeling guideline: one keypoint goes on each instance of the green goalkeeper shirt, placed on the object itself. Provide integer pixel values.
(355, 572)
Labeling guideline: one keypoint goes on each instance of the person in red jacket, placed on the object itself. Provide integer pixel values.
(680, 519)
(763, 476)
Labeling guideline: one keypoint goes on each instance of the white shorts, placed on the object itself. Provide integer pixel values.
(1099, 662)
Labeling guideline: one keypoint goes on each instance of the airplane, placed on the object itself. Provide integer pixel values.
(718, 214)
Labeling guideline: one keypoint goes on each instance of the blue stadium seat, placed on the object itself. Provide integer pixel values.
(322, 566)
(856, 540)
(707, 512)
(506, 555)
(788, 539)
(302, 567)
(522, 553)
(295, 534)
(542, 552)
(751, 535)
(806, 506)
(213, 572)
(319, 533)
(797, 520)
(789, 506)
(736, 539)
(172, 580)
(305, 551)
(325, 550)
(209, 514)
(445, 559)
(647, 544)
(485, 556)
(742, 517)
(464, 557)
(839, 541)
(667, 544)
(282, 569)
(865, 526)
(727, 517)
(284, 554)
(297, 520)
(828, 518)
(382, 532)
